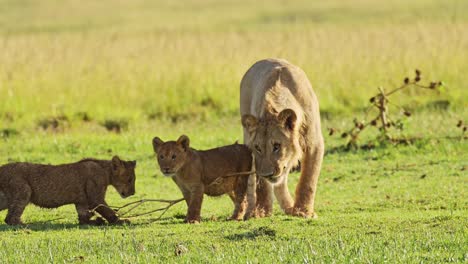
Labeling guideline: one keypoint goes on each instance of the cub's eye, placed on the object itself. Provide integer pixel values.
(276, 147)
(130, 180)
(161, 157)
(257, 148)
(173, 157)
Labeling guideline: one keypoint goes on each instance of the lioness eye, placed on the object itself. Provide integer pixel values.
(173, 157)
(130, 180)
(161, 157)
(257, 148)
(276, 147)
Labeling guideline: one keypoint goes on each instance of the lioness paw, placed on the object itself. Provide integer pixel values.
(302, 212)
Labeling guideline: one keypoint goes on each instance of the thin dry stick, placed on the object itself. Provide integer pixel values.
(136, 204)
(383, 109)
(164, 209)
(244, 173)
(133, 205)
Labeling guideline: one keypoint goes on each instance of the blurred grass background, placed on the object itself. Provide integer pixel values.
(140, 60)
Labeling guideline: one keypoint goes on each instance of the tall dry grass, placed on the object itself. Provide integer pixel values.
(186, 58)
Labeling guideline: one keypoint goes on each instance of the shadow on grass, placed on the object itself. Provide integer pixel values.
(38, 226)
(262, 231)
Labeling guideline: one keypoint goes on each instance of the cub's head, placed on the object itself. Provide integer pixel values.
(274, 143)
(123, 176)
(171, 155)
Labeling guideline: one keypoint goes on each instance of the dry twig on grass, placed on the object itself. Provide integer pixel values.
(382, 120)
(136, 204)
(124, 210)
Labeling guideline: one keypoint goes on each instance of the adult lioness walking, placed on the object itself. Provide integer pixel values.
(281, 120)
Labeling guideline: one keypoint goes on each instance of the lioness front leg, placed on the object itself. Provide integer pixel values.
(194, 209)
(283, 196)
(307, 185)
(264, 198)
(251, 196)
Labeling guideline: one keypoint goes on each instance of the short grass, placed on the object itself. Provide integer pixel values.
(69, 69)
(396, 204)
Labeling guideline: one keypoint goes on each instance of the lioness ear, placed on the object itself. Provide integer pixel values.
(116, 163)
(133, 162)
(157, 142)
(250, 122)
(288, 119)
(184, 141)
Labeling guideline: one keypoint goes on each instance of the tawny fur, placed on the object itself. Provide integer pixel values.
(281, 120)
(83, 183)
(199, 172)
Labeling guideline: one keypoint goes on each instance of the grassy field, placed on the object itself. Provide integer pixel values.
(70, 68)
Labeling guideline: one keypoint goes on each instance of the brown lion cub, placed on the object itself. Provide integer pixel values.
(198, 172)
(83, 183)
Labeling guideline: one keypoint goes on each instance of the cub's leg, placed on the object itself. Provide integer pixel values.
(84, 216)
(96, 200)
(185, 191)
(18, 199)
(240, 198)
(3, 201)
(240, 203)
(264, 198)
(194, 208)
(108, 213)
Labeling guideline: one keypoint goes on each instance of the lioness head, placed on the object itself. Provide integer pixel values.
(275, 144)
(171, 155)
(123, 176)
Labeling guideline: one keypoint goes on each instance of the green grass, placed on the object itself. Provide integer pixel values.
(397, 204)
(166, 68)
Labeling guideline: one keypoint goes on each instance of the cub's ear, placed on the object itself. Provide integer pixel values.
(133, 162)
(184, 141)
(157, 142)
(287, 118)
(116, 163)
(250, 122)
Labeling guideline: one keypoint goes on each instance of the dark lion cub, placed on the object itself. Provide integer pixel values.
(83, 183)
(198, 172)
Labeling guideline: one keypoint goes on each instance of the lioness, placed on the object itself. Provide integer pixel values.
(198, 172)
(281, 120)
(83, 183)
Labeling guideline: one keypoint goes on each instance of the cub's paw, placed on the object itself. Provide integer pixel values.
(17, 223)
(192, 221)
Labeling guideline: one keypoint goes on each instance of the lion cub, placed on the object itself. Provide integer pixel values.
(198, 172)
(83, 183)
